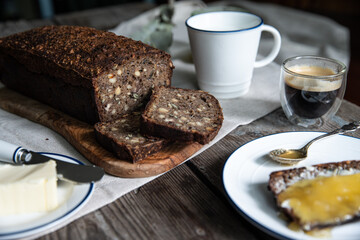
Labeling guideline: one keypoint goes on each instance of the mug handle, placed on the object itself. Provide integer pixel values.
(274, 51)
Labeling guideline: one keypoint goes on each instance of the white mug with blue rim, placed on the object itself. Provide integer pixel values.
(224, 47)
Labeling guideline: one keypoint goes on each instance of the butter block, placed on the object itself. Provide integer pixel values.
(28, 188)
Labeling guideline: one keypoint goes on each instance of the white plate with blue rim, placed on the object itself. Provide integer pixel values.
(246, 175)
(71, 198)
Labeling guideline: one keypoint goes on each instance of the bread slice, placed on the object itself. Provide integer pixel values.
(182, 115)
(90, 74)
(280, 181)
(122, 137)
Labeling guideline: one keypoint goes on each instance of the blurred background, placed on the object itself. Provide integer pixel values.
(34, 9)
(345, 12)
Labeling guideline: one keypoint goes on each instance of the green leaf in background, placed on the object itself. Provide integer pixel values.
(158, 32)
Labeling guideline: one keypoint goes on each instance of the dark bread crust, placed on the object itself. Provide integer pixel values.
(183, 119)
(72, 51)
(280, 180)
(74, 59)
(76, 101)
(122, 138)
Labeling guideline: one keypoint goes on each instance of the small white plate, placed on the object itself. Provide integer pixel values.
(71, 198)
(246, 174)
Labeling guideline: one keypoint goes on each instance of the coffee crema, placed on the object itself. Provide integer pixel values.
(308, 96)
(311, 70)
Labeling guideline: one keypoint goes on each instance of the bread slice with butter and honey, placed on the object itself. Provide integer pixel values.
(319, 196)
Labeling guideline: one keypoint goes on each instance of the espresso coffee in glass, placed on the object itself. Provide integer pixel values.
(312, 89)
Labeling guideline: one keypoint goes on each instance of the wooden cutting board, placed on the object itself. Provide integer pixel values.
(81, 136)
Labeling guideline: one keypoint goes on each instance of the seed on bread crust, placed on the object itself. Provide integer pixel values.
(184, 120)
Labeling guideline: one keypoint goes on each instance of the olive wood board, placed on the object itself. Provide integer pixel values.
(81, 135)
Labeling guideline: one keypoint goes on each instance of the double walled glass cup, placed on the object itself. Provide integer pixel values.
(311, 89)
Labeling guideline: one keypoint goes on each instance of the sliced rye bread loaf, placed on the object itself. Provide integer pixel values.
(122, 137)
(90, 74)
(281, 180)
(182, 115)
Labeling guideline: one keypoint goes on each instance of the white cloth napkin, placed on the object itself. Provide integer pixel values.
(302, 33)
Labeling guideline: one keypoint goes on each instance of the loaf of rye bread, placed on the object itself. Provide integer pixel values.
(281, 180)
(90, 74)
(182, 115)
(122, 137)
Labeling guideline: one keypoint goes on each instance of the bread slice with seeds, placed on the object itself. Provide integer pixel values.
(182, 115)
(122, 137)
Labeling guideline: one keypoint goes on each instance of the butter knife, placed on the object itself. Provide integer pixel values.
(10, 153)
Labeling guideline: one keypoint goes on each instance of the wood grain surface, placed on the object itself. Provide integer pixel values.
(190, 202)
(81, 136)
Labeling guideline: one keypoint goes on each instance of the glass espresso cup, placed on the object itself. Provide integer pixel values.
(311, 89)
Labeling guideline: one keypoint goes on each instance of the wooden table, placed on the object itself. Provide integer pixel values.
(188, 202)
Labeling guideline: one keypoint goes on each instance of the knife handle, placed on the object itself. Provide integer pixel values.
(11, 153)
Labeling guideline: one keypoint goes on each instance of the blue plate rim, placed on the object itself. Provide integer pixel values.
(88, 194)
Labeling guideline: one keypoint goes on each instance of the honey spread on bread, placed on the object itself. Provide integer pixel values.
(318, 197)
(323, 200)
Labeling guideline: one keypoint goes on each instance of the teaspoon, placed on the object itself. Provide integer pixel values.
(293, 156)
